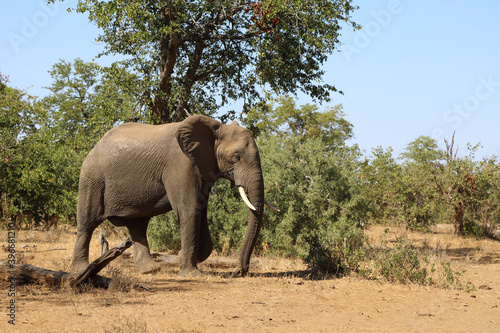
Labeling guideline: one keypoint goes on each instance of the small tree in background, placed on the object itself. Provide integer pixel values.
(85, 101)
(470, 189)
(421, 205)
(380, 178)
(307, 122)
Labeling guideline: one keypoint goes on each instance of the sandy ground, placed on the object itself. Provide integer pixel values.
(277, 297)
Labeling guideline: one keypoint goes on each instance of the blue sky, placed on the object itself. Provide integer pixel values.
(416, 68)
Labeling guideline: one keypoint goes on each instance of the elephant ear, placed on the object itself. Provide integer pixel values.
(196, 137)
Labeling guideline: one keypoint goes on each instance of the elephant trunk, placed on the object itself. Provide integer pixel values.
(255, 193)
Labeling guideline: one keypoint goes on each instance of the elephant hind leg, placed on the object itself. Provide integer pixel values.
(142, 256)
(81, 251)
(89, 216)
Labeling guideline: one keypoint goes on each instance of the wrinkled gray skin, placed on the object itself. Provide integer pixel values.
(137, 171)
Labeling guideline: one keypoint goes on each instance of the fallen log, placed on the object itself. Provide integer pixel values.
(97, 265)
(25, 273)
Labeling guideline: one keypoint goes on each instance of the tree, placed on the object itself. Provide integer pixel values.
(195, 56)
(85, 101)
(307, 122)
(421, 204)
(423, 151)
(16, 122)
(380, 179)
(43, 142)
(471, 189)
(35, 175)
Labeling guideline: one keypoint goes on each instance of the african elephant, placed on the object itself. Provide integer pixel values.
(137, 171)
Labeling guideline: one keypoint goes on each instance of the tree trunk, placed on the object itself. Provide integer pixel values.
(169, 46)
(458, 219)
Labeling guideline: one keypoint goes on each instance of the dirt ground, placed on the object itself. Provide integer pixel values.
(277, 297)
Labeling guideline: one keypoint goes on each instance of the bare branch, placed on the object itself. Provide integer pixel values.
(450, 155)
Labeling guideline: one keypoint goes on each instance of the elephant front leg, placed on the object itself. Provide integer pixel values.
(206, 246)
(142, 257)
(190, 234)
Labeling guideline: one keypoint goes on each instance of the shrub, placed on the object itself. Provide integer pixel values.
(227, 217)
(317, 189)
(163, 233)
(401, 264)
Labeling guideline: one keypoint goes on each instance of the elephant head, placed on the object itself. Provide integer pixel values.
(227, 151)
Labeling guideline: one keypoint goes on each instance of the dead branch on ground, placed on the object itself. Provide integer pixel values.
(25, 273)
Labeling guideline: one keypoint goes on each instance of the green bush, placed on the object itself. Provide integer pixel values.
(227, 218)
(163, 233)
(401, 264)
(317, 190)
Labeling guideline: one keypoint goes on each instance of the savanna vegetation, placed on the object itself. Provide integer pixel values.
(184, 58)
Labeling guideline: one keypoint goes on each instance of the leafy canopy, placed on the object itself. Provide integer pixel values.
(306, 121)
(85, 101)
(36, 174)
(196, 56)
(43, 142)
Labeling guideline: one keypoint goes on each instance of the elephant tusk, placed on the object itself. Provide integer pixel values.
(245, 198)
(271, 206)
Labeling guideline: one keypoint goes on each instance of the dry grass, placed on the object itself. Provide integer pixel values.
(278, 296)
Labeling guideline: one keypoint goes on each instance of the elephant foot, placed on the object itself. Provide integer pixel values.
(190, 272)
(238, 272)
(147, 267)
(78, 266)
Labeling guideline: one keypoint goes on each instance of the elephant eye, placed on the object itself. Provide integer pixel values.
(236, 157)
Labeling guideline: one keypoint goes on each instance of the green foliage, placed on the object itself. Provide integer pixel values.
(35, 174)
(163, 233)
(227, 218)
(86, 101)
(420, 206)
(453, 279)
(401, 264)
(317, 193)
(470, 188)
(200, 55)
(43, 142)
(430, 185)
(423, 151)
(401, 193)
(313, 176)
(379, 178)
(307, 122)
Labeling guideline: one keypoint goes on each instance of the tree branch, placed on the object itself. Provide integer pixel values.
(219, 37)
(25, 273)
